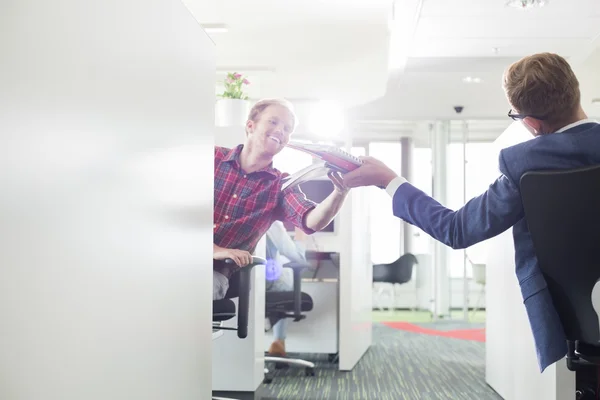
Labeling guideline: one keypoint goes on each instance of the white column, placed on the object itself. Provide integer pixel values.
(406, 171)
(439, 143)
(106, 121)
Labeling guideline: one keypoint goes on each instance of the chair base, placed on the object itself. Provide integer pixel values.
(290, 361)
(309, 368)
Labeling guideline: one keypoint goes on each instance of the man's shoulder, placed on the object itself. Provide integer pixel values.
(554, 151)
(220, 151)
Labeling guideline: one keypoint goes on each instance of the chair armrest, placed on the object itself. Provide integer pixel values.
(244, 295)
(297, 269)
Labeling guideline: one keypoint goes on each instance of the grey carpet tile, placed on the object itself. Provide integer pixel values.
(399, 366)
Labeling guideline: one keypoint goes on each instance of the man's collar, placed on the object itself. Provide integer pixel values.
(234, 156)
(576, 124)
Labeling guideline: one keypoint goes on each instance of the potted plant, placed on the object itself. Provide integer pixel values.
(233, 106)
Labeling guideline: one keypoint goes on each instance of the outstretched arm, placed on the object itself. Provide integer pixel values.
(483, 217)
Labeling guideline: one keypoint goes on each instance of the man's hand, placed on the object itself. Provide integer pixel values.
(240, 257)
(338, 182)
(372, 173)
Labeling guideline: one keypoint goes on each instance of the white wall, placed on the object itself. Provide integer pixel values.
(511, 363)
(106, 113)
(356, 275)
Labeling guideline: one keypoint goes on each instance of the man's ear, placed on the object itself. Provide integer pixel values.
(249, 127)
(535, 125)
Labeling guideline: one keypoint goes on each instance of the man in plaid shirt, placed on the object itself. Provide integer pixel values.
(248, 196)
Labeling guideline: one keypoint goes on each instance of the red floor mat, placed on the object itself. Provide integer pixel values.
(465, 334)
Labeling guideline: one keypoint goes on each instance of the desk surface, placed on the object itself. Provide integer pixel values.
(325, 266)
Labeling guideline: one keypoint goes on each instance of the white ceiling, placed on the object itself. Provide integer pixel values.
(339, 49)
(309, 49)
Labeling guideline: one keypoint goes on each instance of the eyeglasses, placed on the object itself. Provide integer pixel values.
(519, 117)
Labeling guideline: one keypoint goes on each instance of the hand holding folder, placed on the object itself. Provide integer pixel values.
(333, 160)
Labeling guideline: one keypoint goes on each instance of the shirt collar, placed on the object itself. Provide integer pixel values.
(234, 156)
(574, 124)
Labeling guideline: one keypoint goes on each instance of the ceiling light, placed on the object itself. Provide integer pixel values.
(246, 68)
(215, 28)
(526, 4)
(468, 79)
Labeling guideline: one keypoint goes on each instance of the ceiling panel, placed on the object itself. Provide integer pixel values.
(516, 28)
(498, 9)
(472, 47)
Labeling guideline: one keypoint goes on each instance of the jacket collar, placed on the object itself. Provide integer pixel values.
(578, 126)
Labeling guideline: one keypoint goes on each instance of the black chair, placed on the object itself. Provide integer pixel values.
(224, 309)
(279, 305)
(400, 271)
(562, 209)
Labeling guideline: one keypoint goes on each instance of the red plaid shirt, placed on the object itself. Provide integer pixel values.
(247, 204)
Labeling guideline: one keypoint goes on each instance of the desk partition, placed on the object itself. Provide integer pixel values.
(106, 113)
(511, 364)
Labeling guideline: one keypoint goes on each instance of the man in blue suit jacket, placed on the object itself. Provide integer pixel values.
(544, 95)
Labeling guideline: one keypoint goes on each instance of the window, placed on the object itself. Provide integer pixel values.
(385, 229)
(291, 160)
(480, 162)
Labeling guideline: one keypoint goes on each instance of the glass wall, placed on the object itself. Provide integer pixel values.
(386, 234)
(477, 175)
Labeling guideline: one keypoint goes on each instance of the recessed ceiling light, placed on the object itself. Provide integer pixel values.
(469, 79)
(526, 4)
(215, 28)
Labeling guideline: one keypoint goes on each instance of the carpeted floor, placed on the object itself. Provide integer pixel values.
(401, 365)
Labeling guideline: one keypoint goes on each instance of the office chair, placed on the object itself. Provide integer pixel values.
(280, 305)
(563, 215)
(224, 309)
(400, 271)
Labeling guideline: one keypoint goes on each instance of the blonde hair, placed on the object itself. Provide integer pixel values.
(260, 106)
(543, 85)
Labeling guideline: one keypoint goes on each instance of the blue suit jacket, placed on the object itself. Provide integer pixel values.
(500, 208)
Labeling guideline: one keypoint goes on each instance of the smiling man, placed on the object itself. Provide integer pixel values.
(248, 195)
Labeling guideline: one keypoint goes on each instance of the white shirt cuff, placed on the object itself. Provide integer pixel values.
(394, 185)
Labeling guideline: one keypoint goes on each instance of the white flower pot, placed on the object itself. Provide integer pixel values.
(231, 112)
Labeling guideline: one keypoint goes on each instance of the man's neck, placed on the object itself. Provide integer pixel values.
(580, 115)
(252, 161)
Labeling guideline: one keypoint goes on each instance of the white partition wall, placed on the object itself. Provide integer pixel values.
(106, 114)
(356, 277)
(511, 363)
